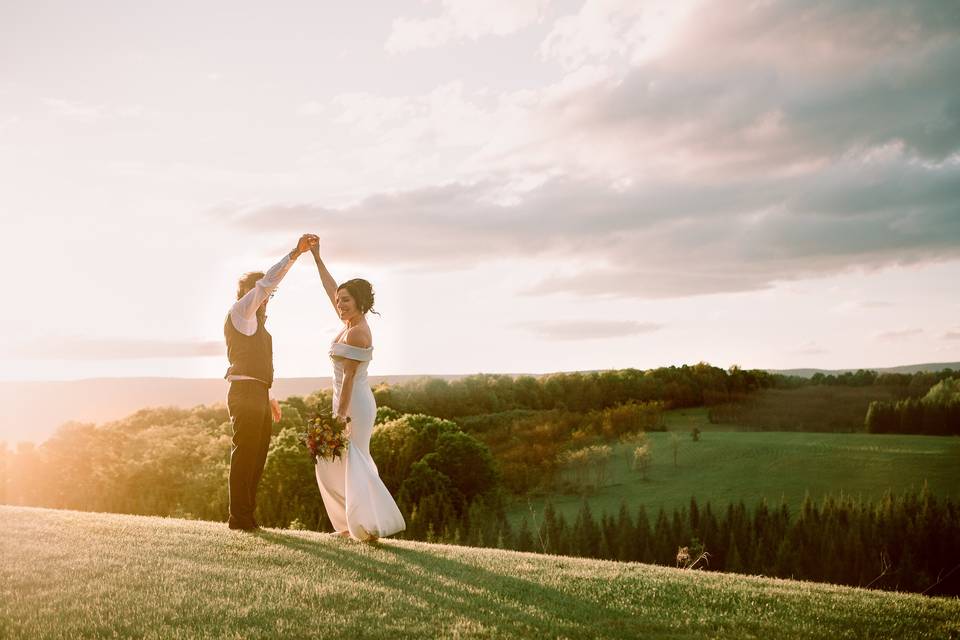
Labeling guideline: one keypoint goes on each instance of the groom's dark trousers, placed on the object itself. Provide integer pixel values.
(248, 402)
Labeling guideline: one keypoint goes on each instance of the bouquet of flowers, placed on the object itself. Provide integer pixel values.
(325, 436)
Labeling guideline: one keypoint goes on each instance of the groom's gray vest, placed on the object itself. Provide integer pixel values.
(250, 355)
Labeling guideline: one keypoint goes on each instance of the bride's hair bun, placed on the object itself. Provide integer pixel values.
(362, 293)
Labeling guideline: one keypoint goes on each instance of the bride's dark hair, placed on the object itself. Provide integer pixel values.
(362, 292)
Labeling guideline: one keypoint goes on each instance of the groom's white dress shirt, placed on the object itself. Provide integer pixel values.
(243, 313)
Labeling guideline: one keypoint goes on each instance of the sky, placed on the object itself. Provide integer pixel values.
(531, 186)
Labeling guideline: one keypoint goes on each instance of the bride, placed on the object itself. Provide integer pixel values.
(357, 502)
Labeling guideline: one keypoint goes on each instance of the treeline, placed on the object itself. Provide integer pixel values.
(175, 462)
(529, 445)
(903, 543)
(916, 384)
(686, 386)
(937, 413)
(165, 461)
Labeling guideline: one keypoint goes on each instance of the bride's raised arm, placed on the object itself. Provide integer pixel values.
(329, 284)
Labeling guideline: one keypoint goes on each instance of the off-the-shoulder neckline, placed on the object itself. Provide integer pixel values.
(352, 346)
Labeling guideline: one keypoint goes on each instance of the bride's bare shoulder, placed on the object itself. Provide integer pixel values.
(359, 336)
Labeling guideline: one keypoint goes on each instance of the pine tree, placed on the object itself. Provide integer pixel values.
(641, 549)
(694, 516)
(625, 534)
(733, 564)
(523, 540)
(663, 546)
(564, 537)
(586, 533)
(551, 530)
(505, 535)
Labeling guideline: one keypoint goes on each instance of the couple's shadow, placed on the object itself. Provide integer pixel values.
(435, 584)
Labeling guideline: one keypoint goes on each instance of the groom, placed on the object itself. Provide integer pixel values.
(250, 352)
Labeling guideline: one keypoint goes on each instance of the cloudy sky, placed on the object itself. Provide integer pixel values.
(530, 185)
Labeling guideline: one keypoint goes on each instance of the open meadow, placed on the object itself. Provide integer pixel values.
(727, 466)
(82, 575)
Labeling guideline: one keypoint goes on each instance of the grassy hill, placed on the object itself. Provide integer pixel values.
(727, 466)
(74, 575)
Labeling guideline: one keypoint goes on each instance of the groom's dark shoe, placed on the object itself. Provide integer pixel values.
(242, 526)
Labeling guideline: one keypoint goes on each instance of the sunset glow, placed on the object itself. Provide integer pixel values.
(534, 187)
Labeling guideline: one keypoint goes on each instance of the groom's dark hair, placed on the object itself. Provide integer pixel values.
(247, 282)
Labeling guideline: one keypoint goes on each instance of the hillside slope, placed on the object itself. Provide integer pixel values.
(726, 467)
(70, 575)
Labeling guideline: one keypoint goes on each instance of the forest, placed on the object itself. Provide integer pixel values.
(453, 453)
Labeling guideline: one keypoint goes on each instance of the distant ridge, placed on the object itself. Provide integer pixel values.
(907, 368)
(32, 411)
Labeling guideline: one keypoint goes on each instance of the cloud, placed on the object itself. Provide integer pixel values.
(589, 329)
(897, 336)
(602, 29)
(463, 20)
(719, 160)
(859, 306)
(809, 349)
(654, 239)
(114, 349)
(72, 110)
(824, 37)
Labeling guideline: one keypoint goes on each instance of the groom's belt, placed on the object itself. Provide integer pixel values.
(240, 378)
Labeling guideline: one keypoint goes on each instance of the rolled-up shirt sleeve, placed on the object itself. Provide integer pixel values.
(243, 313)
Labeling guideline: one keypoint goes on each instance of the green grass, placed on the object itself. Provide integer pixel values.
(684, 420)
(82, 575)
(728, 466)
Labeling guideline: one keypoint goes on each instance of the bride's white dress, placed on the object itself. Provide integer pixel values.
(353, 494)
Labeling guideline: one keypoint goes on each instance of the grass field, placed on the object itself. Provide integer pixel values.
(81, 575)
(727, 466)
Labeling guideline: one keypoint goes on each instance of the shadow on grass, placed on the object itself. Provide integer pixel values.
(446, 590)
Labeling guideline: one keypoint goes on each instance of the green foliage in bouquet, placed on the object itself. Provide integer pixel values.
(325, 435)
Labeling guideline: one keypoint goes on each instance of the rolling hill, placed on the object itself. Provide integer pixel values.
(32, 410)
(72, 575)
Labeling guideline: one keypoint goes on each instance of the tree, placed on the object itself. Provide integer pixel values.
(288, 489)
(423, 481)
(465, 461)
(586, 533)
(398, 444)
(524, 539)
(641, 459)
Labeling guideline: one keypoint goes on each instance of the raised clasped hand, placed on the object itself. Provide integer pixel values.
(306, 242)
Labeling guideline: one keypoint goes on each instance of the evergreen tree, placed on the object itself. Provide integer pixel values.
(733, 562)
(625, 535)
(586, 533)
(663, 545)
(551, 530)
(524, 539)
(642, 547)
